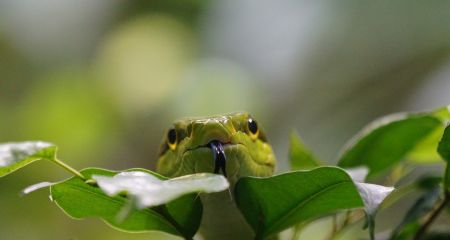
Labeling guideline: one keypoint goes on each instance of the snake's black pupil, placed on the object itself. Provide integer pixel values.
(252, 126)
(172, 136)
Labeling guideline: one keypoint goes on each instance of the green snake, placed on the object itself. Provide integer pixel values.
(233, 145)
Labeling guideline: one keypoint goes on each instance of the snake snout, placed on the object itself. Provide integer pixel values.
(219, 156)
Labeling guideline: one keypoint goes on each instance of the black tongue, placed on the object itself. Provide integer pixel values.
(219, 157)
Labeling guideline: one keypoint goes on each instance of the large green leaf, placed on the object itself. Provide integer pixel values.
(14, 156)
(80, 200)
(388, 140)
(300, 157)
(276, 203)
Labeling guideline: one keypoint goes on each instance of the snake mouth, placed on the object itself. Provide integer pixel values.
(216, 153)
(220, 159)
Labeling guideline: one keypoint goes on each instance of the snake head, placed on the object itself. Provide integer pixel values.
(233, 144)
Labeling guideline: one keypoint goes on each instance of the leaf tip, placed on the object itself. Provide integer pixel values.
(35, 187)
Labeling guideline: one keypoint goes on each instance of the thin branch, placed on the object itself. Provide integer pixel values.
(421, 233)
(68, 168)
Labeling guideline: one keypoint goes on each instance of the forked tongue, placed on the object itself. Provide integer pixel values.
(219, 157)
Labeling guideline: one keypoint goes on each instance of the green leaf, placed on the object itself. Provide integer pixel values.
(300, 157)
(80, 200)
(410, 223)
(444, 145)
(444, 151)
(273, 204)
(425, 150)
(388, 140)
(150, 191)
(14, 156)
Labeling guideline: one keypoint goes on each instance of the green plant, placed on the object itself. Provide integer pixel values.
(137, 200)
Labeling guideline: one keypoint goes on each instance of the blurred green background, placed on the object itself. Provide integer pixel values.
(104, 79)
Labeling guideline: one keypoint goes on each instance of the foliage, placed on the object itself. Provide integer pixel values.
(396, 135)
(138, 200)
(79, 199)
(273, 204)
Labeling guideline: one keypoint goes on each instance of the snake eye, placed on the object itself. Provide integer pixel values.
(172, 138)
(252, 128)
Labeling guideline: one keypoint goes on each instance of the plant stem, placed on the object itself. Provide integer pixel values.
(297, 230)
(334, 229)
(68, 168)
(447, 178)
(351, 218)
(347, 219)
(420, 234)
